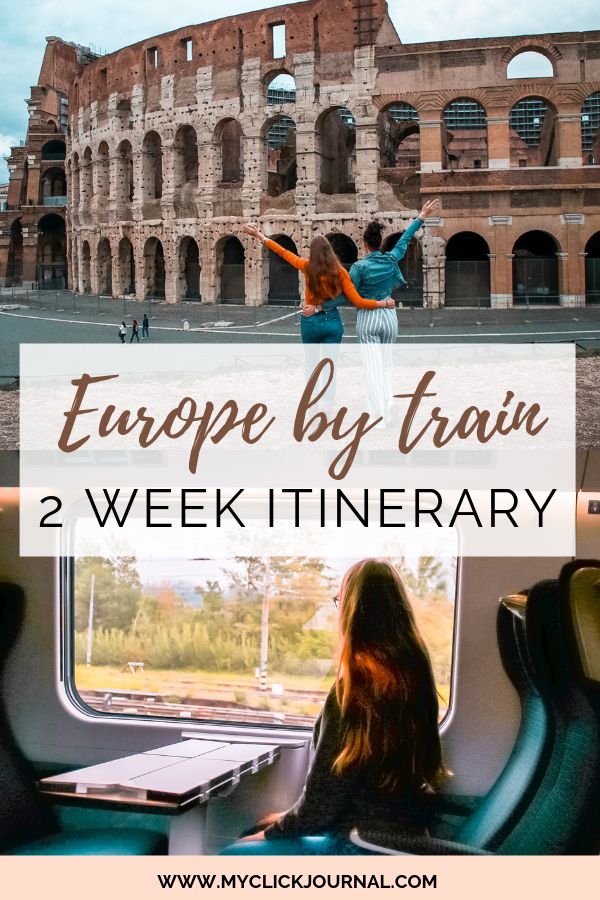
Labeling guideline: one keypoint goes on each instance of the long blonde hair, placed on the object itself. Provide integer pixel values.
(385, 685)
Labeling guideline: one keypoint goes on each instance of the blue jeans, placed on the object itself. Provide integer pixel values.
(322, 328)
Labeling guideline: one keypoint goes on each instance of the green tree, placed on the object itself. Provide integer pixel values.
(117, 591)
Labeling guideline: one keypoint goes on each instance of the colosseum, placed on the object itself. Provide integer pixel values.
(310, 118)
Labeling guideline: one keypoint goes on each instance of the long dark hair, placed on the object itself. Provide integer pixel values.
(373, 235)
(385, 685)
(323, 270)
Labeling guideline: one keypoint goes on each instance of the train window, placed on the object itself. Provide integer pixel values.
(245, 640)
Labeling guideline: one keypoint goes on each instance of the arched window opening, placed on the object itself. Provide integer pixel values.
(336, 142)
(186, 160)
(52, 253)
(530, 64)
(55, 150)
(283, 278)
(467, 270)
(228, 140)
(464, 135)
(189, 270)
(104, 268)
(532, 133)
(53, 187)
(399, 137)
(535, 270)
(152, 172)
(281, 89)
(590, 130)
(412, 270)
(124, 113)
(126, 267)
(282, 167)
(231, 260)
(154, 269)
(14, 268)
(592, 269)
(86, 269)
(103, 172)
(344, 248)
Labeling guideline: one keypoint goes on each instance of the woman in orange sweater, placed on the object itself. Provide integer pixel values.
(326, 278)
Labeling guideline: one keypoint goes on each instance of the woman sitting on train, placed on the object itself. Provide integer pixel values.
(377, 755)
(326, 278)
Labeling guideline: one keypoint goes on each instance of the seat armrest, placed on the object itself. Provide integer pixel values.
(398, 844)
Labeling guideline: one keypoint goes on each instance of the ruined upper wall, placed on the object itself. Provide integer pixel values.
(481, 62)
(330, 29)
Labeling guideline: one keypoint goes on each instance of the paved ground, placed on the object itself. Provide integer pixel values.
(62, 317)
(49, 317)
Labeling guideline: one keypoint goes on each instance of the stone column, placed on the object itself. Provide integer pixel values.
(30, 240)
(4, 243)
(568, 136)
(254, 165)
(498, 140)
(255, 261)
(431, 140)
(501, 269)
(572, 285)
(208, 277)
(33, 180)
(434, 273)
(168, 181)
(308, 167)
(367, 159)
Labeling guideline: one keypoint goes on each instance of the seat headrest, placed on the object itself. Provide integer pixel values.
(12, 607)
(580, 584)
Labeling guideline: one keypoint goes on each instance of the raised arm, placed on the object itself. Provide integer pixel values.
(354, 297)
(399, 251)
(298, 262)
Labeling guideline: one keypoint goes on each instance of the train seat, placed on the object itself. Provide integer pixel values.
(560, 815)
(522, 774)
(27, 824)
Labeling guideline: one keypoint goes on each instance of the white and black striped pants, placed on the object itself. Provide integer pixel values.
(377, 331)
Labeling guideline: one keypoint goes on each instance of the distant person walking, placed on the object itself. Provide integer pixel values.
(122, 332)
(135, 332)
(145, 328)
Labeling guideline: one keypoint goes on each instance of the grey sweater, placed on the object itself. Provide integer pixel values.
(331, 802)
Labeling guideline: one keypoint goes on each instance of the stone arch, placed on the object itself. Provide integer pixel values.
(53, 187)
(103, 172)
(592, 269)
(344, 248)
(54, 150)
(14, 265)
(231, 263)
(154, 269)
(52, 252)
(126, 267)
(532, 123)
(188, 286)
(228, 141)
(280, 87)
(104, 268)
(152, 167)
(279, 140)
(411, 268)
(185, 148)
(550, 51)
(464, 134)
(399, 136)
(535, 269)
(336, 150)
(284, 285)
(467, 270)
(529, 63)
(86, 269)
